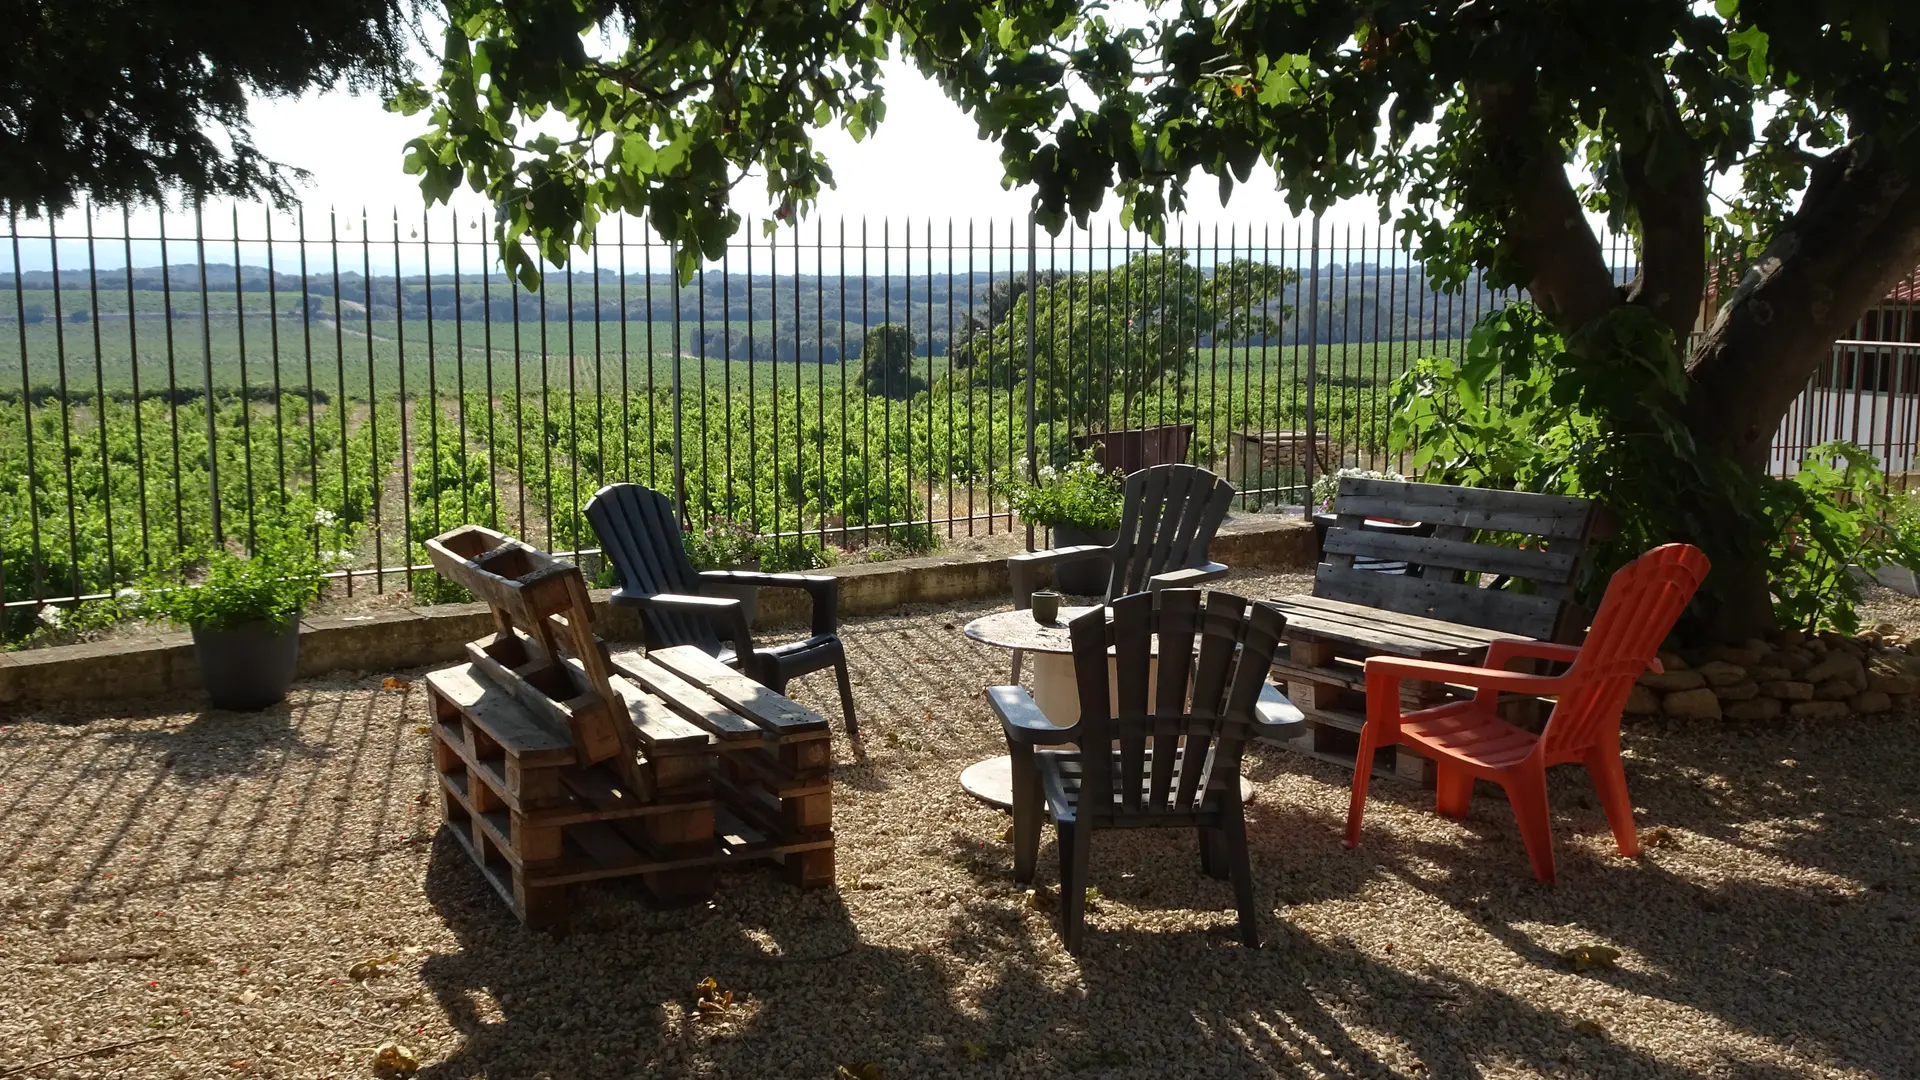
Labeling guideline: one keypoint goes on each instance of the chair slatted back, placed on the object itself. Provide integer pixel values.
(639, 531)
(1167, 521)
(1196, 722)
(1643, 600)
(1555, 531)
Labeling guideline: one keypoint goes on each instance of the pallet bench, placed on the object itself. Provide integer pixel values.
(559, 764)
(1448, 607)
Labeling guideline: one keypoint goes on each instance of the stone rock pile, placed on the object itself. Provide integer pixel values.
(1809, 677)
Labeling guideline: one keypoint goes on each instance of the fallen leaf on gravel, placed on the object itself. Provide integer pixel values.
(1589, 1027)
(866, 1070)
(395, 682)
(420, 729)
(1588, 957)
(711, 998)
(1006, 835)
(1659, 837)
(395, 1060)
(1092, 896)
(370, 967)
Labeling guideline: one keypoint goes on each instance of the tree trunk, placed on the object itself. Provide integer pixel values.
(1857, 233)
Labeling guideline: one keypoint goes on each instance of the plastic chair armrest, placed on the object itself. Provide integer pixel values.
(1275, 717)
(1025, 724)
(728, 617)
(1504, 650)
(1386, 673)
(1021, 567)
(1191, 576)
(821, 589)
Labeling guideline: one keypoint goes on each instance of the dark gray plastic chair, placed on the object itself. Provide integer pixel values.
(1168, 516)
(640, 533)
(1169, 761)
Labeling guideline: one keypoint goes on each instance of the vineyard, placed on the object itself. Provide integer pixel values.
(95, 491)
(406, 402)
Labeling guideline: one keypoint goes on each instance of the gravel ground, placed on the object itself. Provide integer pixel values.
(208, 881)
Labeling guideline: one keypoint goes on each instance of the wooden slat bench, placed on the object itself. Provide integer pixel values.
(557, 768)
(1436, 597)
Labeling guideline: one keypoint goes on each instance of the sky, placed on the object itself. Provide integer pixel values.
(926, 160)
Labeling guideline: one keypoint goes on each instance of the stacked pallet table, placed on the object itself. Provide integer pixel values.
(560, 764)
(1323, 667)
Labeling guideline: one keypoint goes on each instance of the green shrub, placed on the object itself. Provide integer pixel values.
(1078, 494)
(1524, 410)
(225, 585)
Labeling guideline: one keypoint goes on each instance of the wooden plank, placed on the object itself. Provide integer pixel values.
(582, 712)
(1557, 517)
(531, 738)
(1533, 564)
(1496, 609)
(660, 730)
(779, 715)
(1463, 634)
(1368, 636)
(685, 699)
(603, 845)
(1384, 621)
(774, 775)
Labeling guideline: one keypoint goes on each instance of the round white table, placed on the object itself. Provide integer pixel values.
(1049, 649)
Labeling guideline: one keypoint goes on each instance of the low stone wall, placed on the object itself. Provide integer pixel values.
(437, 634)
(1819, 677)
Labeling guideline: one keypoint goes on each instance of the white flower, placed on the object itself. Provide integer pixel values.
(324, 517)
(334, 558)
(131, 595)
(51, 617)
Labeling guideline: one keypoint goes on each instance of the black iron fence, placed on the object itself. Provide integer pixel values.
(844, 384)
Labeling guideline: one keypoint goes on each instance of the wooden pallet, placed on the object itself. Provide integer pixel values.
(557, 769)
(772, 755)
(1330, 692)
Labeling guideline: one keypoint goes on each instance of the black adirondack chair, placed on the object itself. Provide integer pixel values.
(1172, 762)
(639, 531)
(1168, 516)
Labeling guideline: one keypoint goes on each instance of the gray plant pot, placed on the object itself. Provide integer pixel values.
(1082, 577)
(250, 666)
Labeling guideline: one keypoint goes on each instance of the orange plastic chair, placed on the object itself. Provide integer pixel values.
(1466, 739)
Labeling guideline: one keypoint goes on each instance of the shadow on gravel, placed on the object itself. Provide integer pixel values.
(1769, 959)
(615, 993)
(1843, 797)
(218, 743)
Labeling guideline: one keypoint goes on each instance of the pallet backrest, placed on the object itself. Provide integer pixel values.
(640, 533)
(1202, 702)
(1451, 570)
(1168, 516)
(542, 615)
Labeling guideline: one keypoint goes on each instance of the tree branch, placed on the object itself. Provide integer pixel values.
(1856, 234)
(1546, 231)
(1665, 179)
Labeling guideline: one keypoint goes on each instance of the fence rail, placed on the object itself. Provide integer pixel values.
(850, 383)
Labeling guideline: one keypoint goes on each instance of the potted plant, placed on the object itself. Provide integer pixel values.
(243, 603)
(1081, 504)
(1327, 485)
(731, 545)
(726, 545)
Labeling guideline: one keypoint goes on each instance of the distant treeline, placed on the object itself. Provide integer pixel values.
(720, 313)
